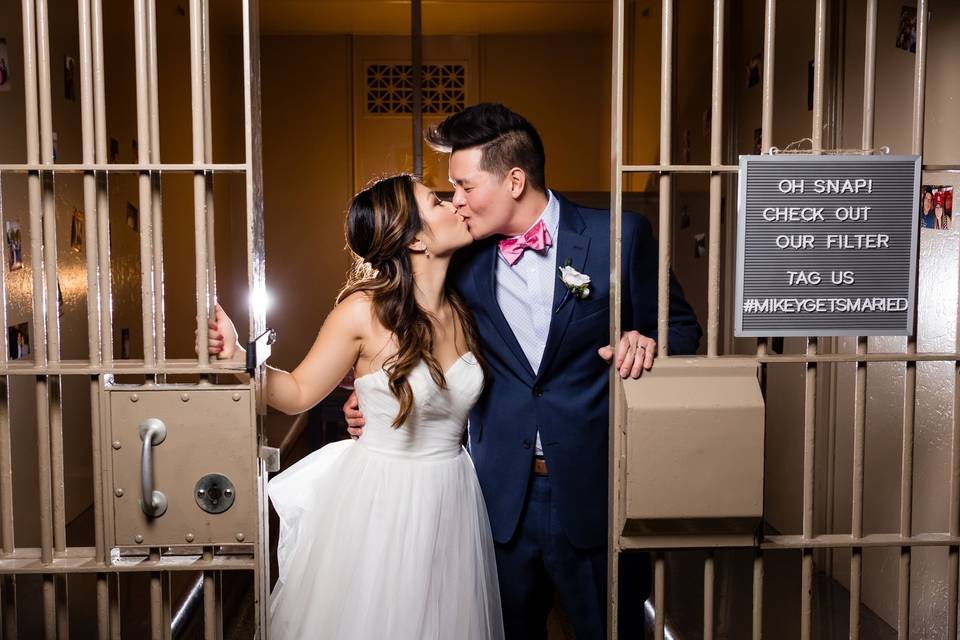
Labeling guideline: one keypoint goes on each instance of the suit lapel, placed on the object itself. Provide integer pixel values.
(486, 279)
(572, 245)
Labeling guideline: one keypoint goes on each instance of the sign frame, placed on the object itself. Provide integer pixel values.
(745, 160)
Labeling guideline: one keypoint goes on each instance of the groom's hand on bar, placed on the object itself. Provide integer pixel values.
(634, 354)
(353, 415)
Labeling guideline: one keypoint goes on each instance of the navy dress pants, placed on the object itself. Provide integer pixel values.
(540, 562)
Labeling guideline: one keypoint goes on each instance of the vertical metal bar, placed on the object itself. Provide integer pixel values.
(757, 617)
(156, 194)
(209, 599)
(199, 179)
(810, 373)
(144, 182)
(8, 606)
(615, 397)
(256, 280)
(766, 107)
(34, 129)
(6, 468)
(708, 596)
(104, 289)
(208, 155)
(910, 391)
(666, 184)
(716, 183)
(860, 381)
(659, 595)
(115, 607)
(954, 508)
(769, 61)
(416, 57)
(156, 599)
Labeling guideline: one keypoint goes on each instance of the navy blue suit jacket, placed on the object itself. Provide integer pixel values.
(567, 399)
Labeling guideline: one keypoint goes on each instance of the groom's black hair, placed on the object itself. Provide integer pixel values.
(506, 138)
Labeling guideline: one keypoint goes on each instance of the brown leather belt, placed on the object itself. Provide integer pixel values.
(540, 467)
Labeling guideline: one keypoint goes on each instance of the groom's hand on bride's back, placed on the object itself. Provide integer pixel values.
(353, 415)
(635, 354)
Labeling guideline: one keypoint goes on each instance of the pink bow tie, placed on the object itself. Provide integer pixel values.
(536, 238)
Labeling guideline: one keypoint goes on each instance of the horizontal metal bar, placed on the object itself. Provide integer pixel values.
(688, 541)
(870, 540)
(124, 168)
(680, 168)
(860, 357)
(90, 564)
(84, 367)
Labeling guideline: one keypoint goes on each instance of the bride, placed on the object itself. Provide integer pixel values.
(386, 536)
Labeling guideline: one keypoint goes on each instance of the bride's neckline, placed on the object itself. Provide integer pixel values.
(449, 370)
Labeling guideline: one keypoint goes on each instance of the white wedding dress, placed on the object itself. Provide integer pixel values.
(387, 536)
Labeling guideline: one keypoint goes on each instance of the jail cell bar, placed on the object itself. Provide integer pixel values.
(54, 561)
(814, 355)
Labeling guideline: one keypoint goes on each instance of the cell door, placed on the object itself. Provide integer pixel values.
(131, 478)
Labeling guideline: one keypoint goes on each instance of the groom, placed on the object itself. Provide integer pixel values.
(539, 433)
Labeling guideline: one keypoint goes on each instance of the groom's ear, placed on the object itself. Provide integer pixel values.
(518, 182)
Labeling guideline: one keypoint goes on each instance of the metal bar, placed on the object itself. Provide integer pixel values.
(256, 280)
(209, 600)
(659, 596)
(208, 156)
(62, 615)
(769, 62)
(103, 606)
(757, 613)
(954, 511)
(102, 218)
(872, 540)
(870, 75)
(708, 596)
(199, 180)
(716, 183)
(49, 595)
(126, 564)
(102, 165)
(615, 398)
(680, 168)
(666, 183)
(909, 402)
(156, 194)
(766, 105)
(144, 183)
(6, 469)
(115, 606)
(416, 58)
(156, 599)
(819, 61)
(8, 606)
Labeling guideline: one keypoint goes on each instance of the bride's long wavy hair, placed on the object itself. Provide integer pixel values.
(383, 220)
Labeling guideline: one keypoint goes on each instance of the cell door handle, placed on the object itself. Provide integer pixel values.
(153, 502)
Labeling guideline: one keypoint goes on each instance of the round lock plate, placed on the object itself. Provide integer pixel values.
(215, 493)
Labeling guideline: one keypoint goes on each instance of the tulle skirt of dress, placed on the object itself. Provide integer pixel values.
(374, 545)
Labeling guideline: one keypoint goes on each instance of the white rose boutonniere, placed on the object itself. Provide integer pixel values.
(578, 283)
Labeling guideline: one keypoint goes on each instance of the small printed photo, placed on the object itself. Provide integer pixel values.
(124, 343)
(69, 78)
(14, 246)
(936, 207)
(753, 70)
(18, 337)
(76, 230)
(907, 33)
(4, 66)
(55, 141)
(133, 217)
(699, 245)
(114, 154)
(757, 141)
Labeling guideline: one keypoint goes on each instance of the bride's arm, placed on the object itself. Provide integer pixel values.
(333, 353)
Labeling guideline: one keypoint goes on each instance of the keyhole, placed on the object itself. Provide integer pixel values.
(213, 494)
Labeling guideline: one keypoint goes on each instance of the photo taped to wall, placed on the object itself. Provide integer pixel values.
(14, 246)
(936, 207)
(18, 341)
